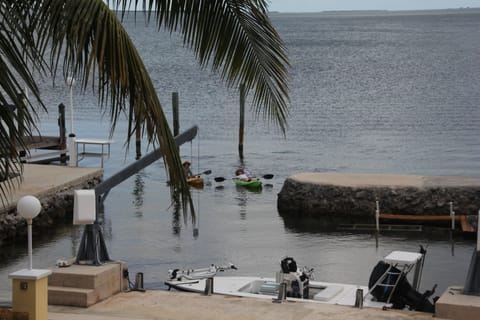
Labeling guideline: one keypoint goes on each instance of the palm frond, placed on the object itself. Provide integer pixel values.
(18, 57)
(88, 42)
(238, 38)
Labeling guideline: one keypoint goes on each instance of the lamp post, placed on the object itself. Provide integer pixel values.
(72, 149)
(30, 286)
(29, 207)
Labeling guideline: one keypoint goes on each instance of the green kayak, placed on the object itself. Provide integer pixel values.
(253, 183)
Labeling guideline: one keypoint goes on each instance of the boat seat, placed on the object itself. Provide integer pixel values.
(403, 258)
(328, 293)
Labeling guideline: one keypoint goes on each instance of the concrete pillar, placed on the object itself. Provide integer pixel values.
(30, 292)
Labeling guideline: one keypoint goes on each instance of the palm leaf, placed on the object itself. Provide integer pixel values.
(18, 56)
(87, 41)
(237, 37)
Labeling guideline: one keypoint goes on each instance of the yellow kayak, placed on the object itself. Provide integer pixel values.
(196, 182)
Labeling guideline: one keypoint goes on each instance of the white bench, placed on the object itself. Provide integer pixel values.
(97, 142)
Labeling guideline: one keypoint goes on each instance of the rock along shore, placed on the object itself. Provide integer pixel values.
(354, 196)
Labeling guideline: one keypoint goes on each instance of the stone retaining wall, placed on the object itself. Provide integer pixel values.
(56, 209)
(317, 200)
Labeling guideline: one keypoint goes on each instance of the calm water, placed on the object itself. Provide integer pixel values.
(379, 94)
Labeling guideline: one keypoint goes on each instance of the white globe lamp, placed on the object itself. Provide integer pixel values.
(29, 207)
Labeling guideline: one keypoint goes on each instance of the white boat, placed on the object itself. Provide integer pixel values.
(388, 287)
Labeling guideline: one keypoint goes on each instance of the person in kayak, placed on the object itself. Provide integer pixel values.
(186, 168)
(242, 175)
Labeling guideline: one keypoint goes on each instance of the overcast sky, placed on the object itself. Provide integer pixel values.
(322, 5)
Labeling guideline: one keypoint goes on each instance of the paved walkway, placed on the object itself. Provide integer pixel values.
(158, 304)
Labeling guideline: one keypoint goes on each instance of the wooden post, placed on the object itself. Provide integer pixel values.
(242, 121)
(138, 138)
(175, 105)
(62, 132)
(377, 222)
(21, 109)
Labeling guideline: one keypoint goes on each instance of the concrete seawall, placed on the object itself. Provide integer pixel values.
(53, 185)
(354, 196)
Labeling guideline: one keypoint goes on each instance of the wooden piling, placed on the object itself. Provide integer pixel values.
(62, 132)
(138, 139)
(21, 109)
(242, 121)
(175, 106)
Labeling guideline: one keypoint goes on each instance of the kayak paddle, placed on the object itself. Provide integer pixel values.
(207, 172)
(266, 176)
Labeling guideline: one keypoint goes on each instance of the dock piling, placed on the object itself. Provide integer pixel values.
(359, 299)
(282, 293)
(175, 113)
(452, 215)
(208, 286)
(241, 128)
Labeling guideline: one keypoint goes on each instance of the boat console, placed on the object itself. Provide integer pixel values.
(297, 280)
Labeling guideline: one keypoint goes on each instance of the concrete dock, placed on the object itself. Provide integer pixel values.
(157, 304)
(355, 196)
(45, 180)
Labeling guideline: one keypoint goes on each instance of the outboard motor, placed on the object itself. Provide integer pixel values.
(404, 295)
(297, 281)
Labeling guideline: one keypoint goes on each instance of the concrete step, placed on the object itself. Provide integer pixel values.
(74, 297)
(84, 285)
(453, 304)
(86, 277)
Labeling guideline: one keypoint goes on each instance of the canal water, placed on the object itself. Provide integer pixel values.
(377, 93)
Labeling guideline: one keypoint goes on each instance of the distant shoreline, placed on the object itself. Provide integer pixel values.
(381, 12)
